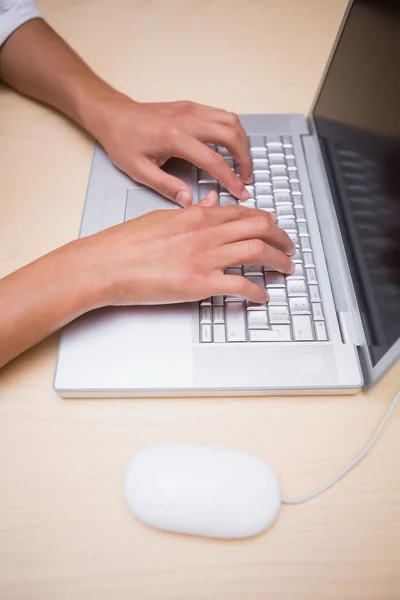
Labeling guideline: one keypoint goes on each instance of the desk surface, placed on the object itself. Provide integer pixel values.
(64, 530)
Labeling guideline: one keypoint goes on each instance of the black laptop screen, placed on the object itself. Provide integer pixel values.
(357, 118)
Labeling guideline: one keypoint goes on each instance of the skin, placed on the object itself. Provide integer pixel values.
(161, 257)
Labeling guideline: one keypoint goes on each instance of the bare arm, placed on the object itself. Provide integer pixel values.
(139, 137)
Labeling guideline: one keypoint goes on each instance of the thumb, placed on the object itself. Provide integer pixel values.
(171, 187)
(210, 200)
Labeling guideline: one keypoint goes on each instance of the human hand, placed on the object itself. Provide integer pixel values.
(180, 255)
(140, 137)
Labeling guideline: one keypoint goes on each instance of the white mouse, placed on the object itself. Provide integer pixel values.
(202, 490)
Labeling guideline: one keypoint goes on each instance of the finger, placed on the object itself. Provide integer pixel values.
(163, 183)
(232, 136)
(191, 149)
(254, 227)
(250, 252)
(236, 285)
(210, 200)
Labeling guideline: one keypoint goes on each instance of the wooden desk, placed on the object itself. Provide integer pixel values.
(65, 532)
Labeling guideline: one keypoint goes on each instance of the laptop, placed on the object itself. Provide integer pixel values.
(332, 180)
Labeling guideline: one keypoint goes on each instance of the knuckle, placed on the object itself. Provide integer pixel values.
(239, 285)
(233, 136)
(255, 248)
(233, 117)
(216, 159)
(174, 132)
(262, 223)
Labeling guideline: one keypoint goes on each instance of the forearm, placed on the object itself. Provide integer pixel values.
(40, 298)
(38, 63)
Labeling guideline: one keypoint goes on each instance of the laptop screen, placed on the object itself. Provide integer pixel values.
(357, 119)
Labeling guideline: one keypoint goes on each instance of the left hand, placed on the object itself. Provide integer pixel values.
(141, 137)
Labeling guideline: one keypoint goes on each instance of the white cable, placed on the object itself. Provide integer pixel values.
(353, 463)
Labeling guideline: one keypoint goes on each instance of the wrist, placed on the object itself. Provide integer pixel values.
(98, 105)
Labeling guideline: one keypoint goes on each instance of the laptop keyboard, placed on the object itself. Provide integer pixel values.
(294, 311)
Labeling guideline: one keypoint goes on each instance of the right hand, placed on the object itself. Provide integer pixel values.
(169, 256)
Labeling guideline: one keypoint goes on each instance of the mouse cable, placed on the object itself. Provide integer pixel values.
(351, 465)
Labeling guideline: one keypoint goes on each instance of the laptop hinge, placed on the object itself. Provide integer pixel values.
(347, 328)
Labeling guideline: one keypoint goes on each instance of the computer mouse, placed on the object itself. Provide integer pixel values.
(202, 490)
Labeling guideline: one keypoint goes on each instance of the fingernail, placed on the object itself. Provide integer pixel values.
(183, 198)
(292, 266)
(244, 195)
(267, 297)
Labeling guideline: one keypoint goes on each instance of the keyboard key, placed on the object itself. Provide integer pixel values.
(317, 312)
(284, 210)
(283, 332)
(205, 333)
(253, 306)
(229, 160)
(257, 141)
(294, 237)
(218, 300)
(314, 293)
(288, 150)
(302, 229)
(235, 322)
(278, 314)
(205, 314)
(277, 296)
(274, 279)
(295, 187)
(250, 189)
(293, 176)
(299, 306)
(282, 197)
(287, 224)
(276, 159)
(260, 164)
(250, 203)
(205, 302)
(205, 177)
(219, 333)
(277, 333)
(254, 270)
(279, 171)
(296, 257)
(223, 151)
(305, 244)
(227, 200)
(234, 271)
(274, 139)
(291, 163)
(257, 319)
(287, 141)
(218, 314)
(265, 202)
(258, 153)
(300, 214)
(298, 201)
(320, 331)
(311, 276)
(263, 189)
(302, 328)
(280, 184)
(298, 272)
(206, 188)
(308, 259)
(296, 287)
(257, 279)
(262, 176)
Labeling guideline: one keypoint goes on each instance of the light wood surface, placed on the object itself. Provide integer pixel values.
(65, 532)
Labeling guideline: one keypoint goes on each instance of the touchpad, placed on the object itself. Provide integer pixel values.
(140, 201)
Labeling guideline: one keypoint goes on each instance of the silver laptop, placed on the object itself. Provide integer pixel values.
(333, 182)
